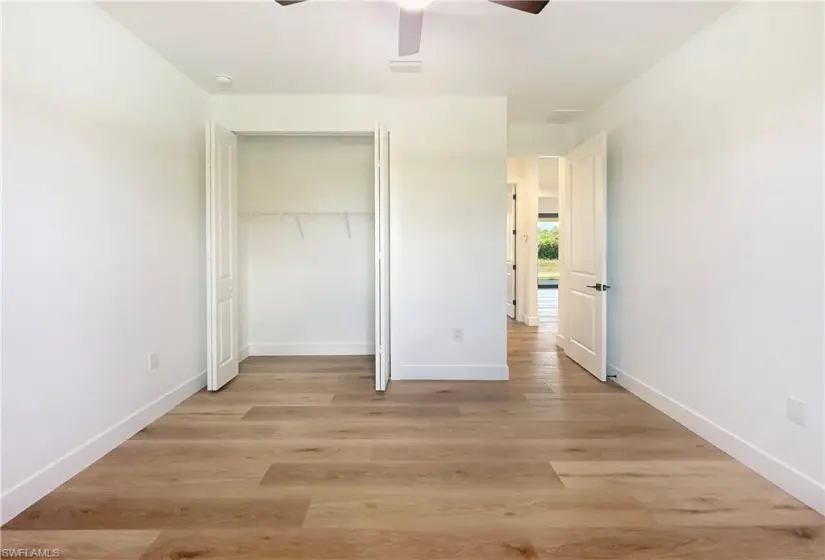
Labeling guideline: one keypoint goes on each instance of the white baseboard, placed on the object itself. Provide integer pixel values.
(560, 341)
(798, 484)
(27, 492)
(311, 348)
(527, 320)
(243, 353)
(449, 373)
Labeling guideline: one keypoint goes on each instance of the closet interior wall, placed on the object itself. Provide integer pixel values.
(307, 247)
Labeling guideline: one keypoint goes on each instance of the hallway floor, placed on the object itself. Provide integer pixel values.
(548, 300)
(298, 458)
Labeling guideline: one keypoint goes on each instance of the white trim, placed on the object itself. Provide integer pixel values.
(450, 373)
(560, 341)
(798, 484)
(529, 321)
(243, 353)
(311, 348)
(27, 492)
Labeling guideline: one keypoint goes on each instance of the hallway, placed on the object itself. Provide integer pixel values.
(298, 458)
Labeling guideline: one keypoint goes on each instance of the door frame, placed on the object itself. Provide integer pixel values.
(512, 237)
(371, 133)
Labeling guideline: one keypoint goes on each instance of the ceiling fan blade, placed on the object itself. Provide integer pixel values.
(289, 2)
(409, 31)
(529, 6)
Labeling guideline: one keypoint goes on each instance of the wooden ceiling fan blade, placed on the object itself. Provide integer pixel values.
(289, 2)
(409, 31)
(529, 6)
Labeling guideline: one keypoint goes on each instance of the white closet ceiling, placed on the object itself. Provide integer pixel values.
(573, 55)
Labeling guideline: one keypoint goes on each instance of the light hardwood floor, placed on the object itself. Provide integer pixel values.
(298, 458)
(548, 300)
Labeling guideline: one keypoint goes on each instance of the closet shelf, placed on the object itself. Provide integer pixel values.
(298, 215)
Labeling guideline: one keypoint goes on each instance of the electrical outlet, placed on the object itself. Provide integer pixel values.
(458, 335)
(153, 361)
(795, 410)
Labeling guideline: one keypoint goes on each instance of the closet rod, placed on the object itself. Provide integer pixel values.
(297, 217)
(338, 214)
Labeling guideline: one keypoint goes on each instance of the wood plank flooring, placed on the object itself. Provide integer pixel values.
(548, 300)
(298, 458)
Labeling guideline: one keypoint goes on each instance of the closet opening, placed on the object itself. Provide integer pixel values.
(312, 272)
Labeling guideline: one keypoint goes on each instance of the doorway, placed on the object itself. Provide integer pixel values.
(547, 245)
(307, 245)
(548, 250)
(548, 271)
(302, 221)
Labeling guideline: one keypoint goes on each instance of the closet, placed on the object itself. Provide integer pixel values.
(310, 272)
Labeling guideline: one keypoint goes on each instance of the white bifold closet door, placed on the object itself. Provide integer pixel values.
(221, 256)
(382, 271)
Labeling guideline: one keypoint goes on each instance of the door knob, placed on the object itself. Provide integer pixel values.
(599, 287)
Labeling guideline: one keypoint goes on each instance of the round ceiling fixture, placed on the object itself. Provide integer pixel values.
(223, 79)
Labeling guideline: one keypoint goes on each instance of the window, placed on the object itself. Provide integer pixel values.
(548, 245)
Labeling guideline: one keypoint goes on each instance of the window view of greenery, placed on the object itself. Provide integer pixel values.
(548, 250)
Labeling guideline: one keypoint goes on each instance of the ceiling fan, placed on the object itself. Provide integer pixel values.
(412, 16)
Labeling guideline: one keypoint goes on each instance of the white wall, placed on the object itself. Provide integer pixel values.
(548, 205)
(102, 241)
(448, 206)
(715, 174)
(549, 176)
(310, 295)
(540, 139)
(549, 185)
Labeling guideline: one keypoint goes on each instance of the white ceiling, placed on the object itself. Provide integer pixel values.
(573, 55)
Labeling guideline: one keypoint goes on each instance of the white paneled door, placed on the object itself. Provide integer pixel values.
(382, 258)
(583, 284)
(510, 263)
(221, 256)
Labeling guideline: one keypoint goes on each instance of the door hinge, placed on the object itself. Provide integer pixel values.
(514, 232)
(514, 302)
(514, 197)
(514, 267)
